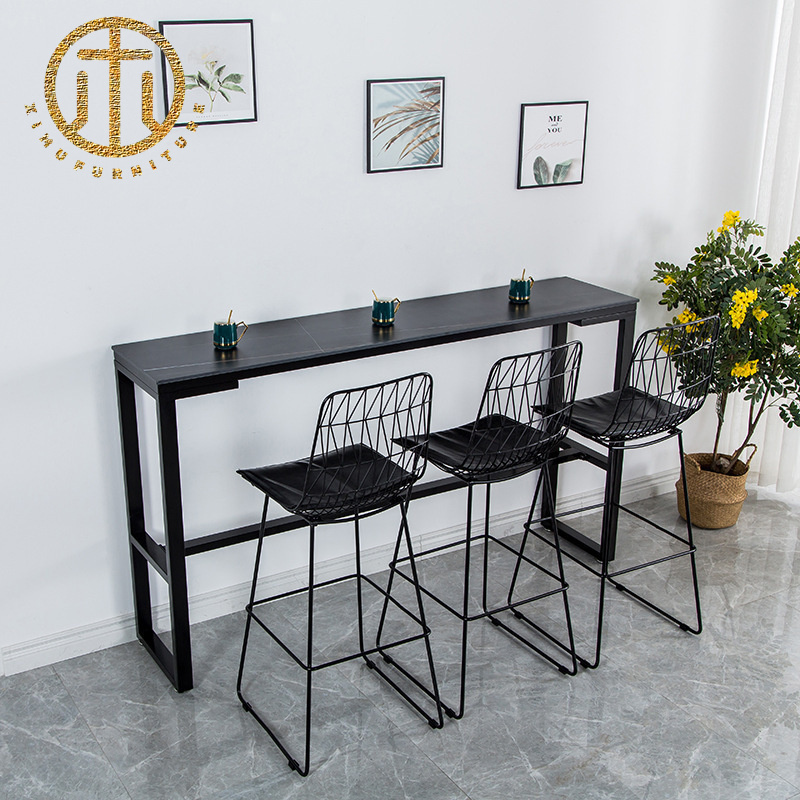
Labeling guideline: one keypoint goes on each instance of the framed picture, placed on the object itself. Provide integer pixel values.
(218, 58)
(405, 124)
(552, 144)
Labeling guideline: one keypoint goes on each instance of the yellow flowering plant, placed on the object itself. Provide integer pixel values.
(759, 309)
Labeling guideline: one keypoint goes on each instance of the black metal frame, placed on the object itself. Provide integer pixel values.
(544, 130)
(185, 366)
(667, 382)
(523, 417)
(252, 64)
(370, 132)
(355, 470)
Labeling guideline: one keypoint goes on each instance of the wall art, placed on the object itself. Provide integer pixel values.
(405, 124)
(218, 58)
(552, 144)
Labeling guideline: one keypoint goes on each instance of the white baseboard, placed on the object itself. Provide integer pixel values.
(119, 630)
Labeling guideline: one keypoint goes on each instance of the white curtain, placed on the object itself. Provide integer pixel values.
(778, 459)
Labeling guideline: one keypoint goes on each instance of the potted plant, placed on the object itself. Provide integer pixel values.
(758, 352)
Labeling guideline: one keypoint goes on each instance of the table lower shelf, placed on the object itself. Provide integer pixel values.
(155, 553)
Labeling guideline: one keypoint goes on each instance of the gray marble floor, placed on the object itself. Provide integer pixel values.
(667, 715)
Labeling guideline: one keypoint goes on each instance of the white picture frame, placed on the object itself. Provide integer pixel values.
(218, 59)
(552, 144)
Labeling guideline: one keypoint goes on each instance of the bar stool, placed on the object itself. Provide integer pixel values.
(667, 382)
(356, 469)
(522, 418)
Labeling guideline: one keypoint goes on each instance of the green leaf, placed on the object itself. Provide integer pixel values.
(541, 172)
(201, 79)
(232, 88)
(218, 71)
(561, 170)
(234, 77)
(222, 92)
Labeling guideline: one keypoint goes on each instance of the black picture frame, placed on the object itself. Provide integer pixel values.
(231, 41)
(405, 124)
(552, 144)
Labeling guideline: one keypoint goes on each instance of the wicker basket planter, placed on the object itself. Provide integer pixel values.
(715, 500)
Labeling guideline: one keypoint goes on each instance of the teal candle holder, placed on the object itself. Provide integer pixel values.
(383, 311)
(225, 334)
(519, 290)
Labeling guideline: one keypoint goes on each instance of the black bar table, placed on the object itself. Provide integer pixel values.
(183, 366)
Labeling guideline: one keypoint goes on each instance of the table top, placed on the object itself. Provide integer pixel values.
(188, 364)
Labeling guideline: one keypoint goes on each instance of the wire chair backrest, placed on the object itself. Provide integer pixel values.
(668, 379)
(357, 464)
(524, 412)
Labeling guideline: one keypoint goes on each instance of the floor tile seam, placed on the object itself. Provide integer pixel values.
(92, 733)
(792, 606)
(771, 595)
(449, 778)
(750, 752)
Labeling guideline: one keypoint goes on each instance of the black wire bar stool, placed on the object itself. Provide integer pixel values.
(523, 416)
(356, 469)
(667, 382)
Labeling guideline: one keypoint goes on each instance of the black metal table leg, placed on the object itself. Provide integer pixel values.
(558, 337)
(132, 476)
(613, 483)
(624, 348)
(176, 557)
(614, 477)
(168, 561)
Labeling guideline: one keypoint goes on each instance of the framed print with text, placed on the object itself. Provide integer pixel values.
(552, 144)
(405, 124)
(218, 58)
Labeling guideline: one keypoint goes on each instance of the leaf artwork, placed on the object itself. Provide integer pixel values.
(213, 83)
(541, 172)
(561, 170)
(420, 118)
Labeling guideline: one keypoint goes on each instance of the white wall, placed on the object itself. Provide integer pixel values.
(278, 217)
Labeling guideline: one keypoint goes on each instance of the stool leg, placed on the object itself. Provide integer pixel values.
(309, 652)
(544, 484)
(465, 607)
(608, 545)
(359, 593)
(249, 606)
(526, 530)
(548, 488)
(697, 627)
(595, 663)
(437, 721)
(389, 585)
(463, 615)
(606, 555)
(487, 511)
(690, 536)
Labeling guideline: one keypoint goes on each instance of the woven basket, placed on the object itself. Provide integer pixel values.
(715, 500)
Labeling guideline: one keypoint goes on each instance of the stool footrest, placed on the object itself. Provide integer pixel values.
(542, 632)
(424, 632)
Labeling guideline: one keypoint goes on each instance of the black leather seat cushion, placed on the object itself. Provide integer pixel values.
(354, 478)
(494, 448)
(626, 414)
